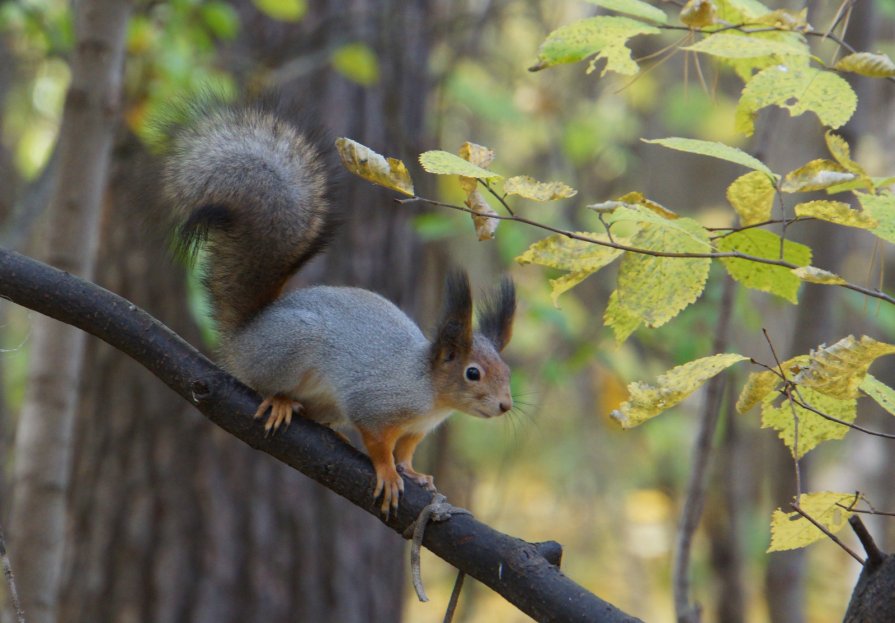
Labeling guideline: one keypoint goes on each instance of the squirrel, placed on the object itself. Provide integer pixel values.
(254, 191)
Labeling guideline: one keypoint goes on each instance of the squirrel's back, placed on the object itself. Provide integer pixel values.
(256, 190)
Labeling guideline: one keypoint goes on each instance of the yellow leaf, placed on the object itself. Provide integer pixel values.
(579, 257)
(647, 401)
(698, 13)
(636, 198)
(792, 531)
(622, 320)
(812, 274)
(558, 251)
(752, 196)
(867, 64)
(655, 289)
(813, 429)
(530, 188)
(446, 163)
(836, 212)
(777, 280)
(816, 175)
(603, 35)
(838, 370)
(760, 384)
(484, 225)
(882, 209)
(841, 153)
(729, 45)
(784, 19)
(798, 90)
(478, 155)
(366, 163)
(880, 392)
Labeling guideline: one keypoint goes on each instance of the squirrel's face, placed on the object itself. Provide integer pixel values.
(477, 383)
(467, 371)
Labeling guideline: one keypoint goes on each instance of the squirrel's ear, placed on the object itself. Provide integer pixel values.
(454, 337)
(496, 314)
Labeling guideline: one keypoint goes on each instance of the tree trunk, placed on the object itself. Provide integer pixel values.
(174, 520)
(43, 439)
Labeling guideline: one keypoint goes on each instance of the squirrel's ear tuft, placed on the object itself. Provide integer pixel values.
(454, 337)
(496, 314)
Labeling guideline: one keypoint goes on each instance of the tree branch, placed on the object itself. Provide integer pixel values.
(514, 568)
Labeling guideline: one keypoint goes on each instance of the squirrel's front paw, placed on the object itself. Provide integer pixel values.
(281, 409)
(390, 486)
(424, 480)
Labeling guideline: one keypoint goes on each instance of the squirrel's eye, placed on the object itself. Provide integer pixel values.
(473, 373)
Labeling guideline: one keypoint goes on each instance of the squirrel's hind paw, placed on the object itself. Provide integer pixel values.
(281, 409)
(424, 480)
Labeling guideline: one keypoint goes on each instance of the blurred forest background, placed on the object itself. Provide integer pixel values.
(166, 518)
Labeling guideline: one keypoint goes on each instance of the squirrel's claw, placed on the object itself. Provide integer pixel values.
(390, 487)
(281, 409)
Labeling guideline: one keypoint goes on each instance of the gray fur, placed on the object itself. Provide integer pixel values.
(369, 360)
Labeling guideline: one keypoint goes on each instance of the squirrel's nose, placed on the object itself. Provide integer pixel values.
(505, 406)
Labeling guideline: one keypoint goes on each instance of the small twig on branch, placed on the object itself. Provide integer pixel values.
(787, 389)
(501, 199)
(10, 580)
(875, 555)
(455, 597)
(829, 534)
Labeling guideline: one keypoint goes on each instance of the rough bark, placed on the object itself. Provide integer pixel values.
(44, 435)
(517, 570)
(872, 598)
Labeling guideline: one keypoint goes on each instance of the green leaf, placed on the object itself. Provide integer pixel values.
(867, 64)
(221, 18)
(634, 8)
(882, 209)
(838, 370)
(713, 149)
(647, 401)
(816, 175)
(813, 429)
(603, 35)
(798, 90)
(728, 45)
(836, 212)
(357, 62)
(367, 164)
(812, 274)
(777, 280)
(792, 531)
(880, 392)
(752, 196)
(655, 289)
(446, 163)
(283, 10)
(530, 188)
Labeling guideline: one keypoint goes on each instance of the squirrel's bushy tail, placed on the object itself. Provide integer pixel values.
(256, 192)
